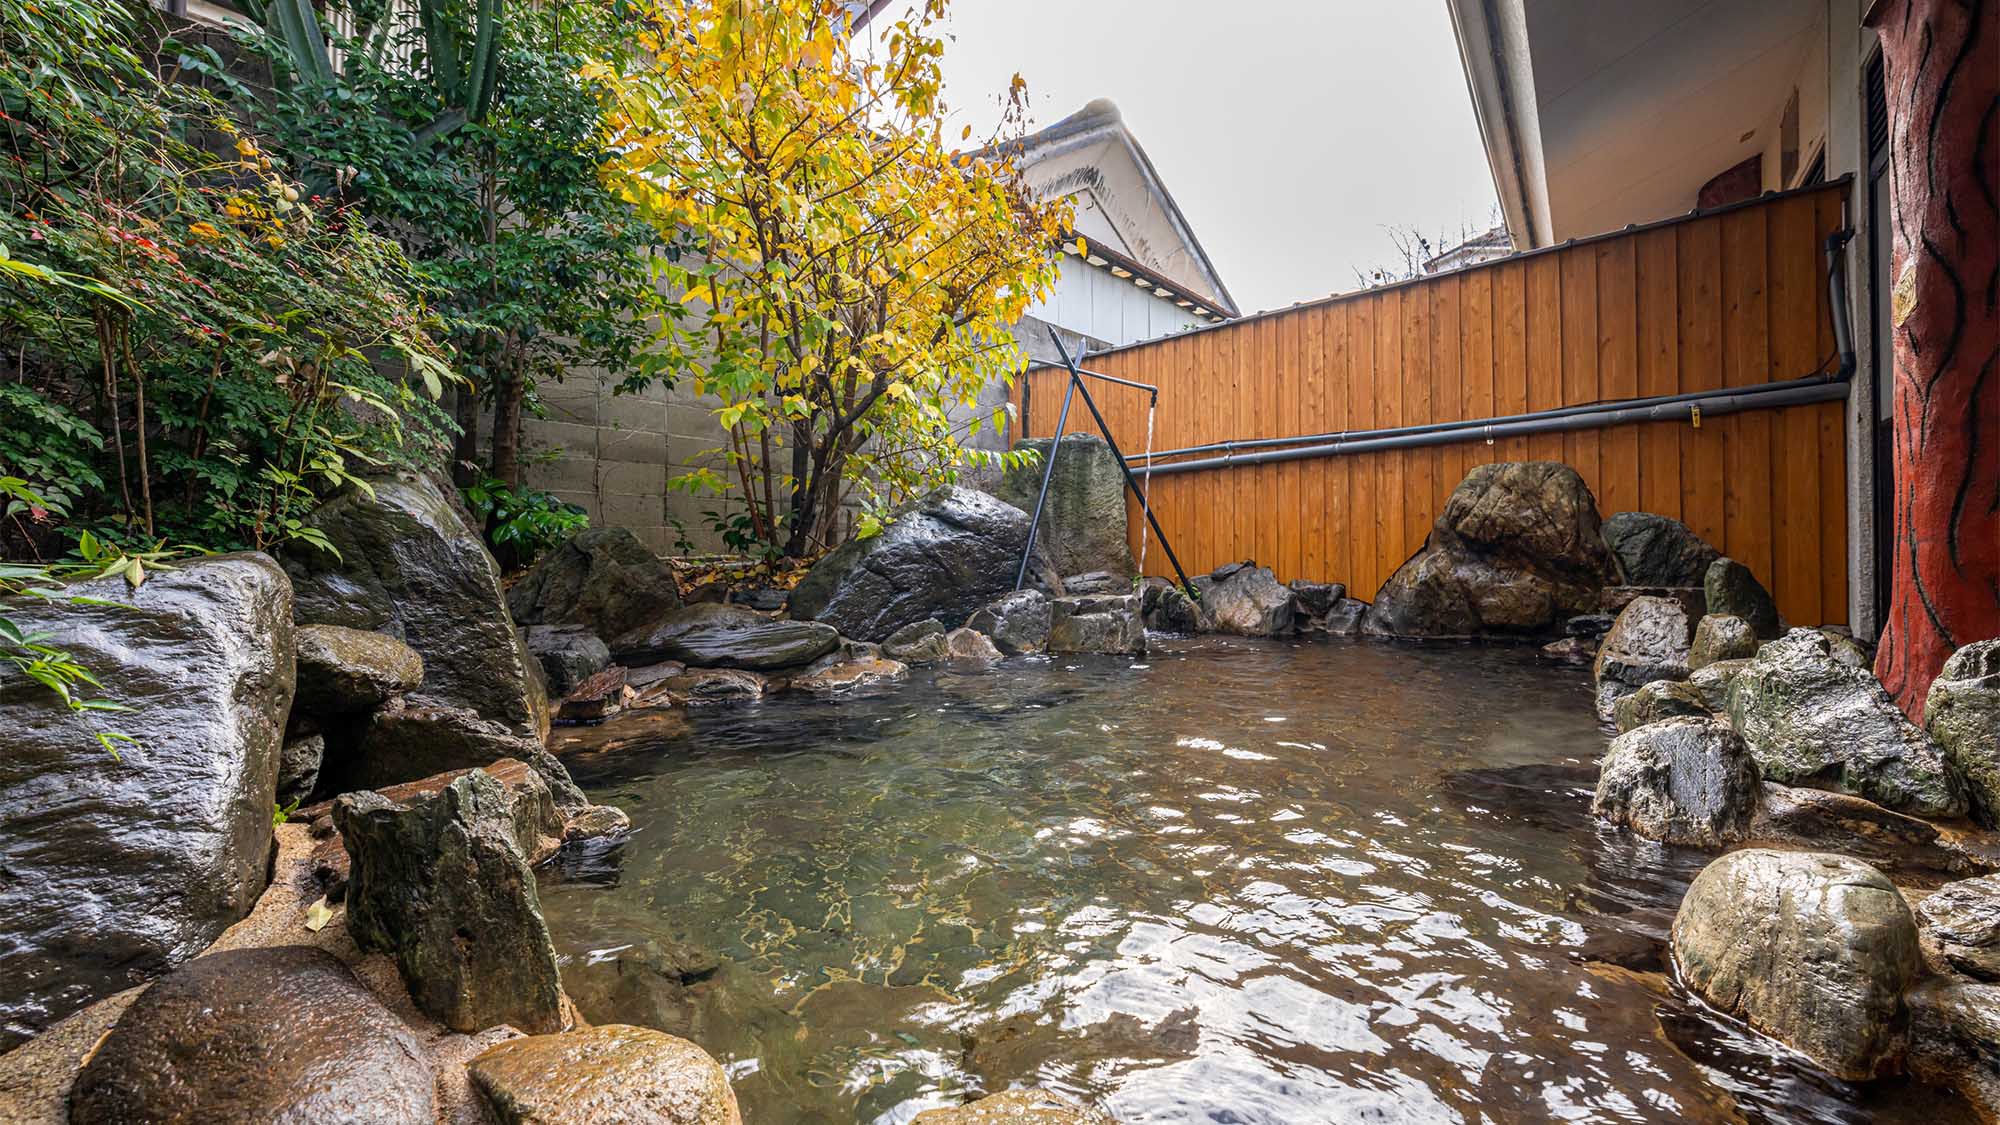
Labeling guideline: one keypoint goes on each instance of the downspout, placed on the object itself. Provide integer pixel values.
(1508, 118)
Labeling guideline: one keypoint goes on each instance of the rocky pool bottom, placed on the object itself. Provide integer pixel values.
(1254, 881)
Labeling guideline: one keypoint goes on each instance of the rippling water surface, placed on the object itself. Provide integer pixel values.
(1235, 882)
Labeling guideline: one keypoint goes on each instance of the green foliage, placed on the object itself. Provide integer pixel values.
(200, 351)
(467, 134)
(521, 524)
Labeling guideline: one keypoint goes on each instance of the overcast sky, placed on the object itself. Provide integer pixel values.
(1291, 132)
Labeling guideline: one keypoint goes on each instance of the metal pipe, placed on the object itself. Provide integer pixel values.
(1137, 386)
(1076, 380)
(1836, 292)
(1769, 396)
(1048, 471)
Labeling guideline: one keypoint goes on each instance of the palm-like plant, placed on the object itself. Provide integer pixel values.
(461, 67)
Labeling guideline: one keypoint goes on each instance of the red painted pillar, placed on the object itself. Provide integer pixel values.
(1943, 62)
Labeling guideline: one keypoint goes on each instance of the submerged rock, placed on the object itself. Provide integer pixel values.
(726, 636)
(344, 670)
(1016, 1107)
(1648, 642)
(612, 1072)
(569, 655)
(1813, 721)
(1661, 699)
(697, 687)
(1961, 921)
(1680, 780)
(1018, 622)
(1657, 551)
(1517, 550)
(1083, 521)
(1963, 714)
(443, 884)
(409, 565)
(944, 556)
(1733, 591)
(274, 1034)
(842, 676)
(1248, 601)
(1811, 948)
(1570, 650)
(602, 578)
(1718, 637)
(117, 863)
(1101, 623)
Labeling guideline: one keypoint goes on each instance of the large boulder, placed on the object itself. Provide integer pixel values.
(442, 883)
(1517, 550)
(1648, 642)
(944, 555)
(726, 636)
(1718, 637)
(1814, 721)
(409, 565)
(1657, 551)
(608, 1073)
(1102, 623)
(342, 670)
(1963, 715)
(404, 741)
(120, 860)
(1083, 521)
(1731, 589)
(1955, 1039)
(283, 1033)
(602, 578)
(1018, 622)
(1247, 600)
(1681, 780)
(1961, 922)
(1811, 948)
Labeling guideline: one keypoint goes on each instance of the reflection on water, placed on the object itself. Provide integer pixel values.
(1237, 881)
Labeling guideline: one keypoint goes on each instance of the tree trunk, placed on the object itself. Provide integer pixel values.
(1943, 63)
(465, 451)
(507, 397)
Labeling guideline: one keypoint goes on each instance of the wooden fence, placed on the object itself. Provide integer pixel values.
(1729, 298)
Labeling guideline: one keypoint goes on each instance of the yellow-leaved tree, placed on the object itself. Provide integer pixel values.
(857, 269)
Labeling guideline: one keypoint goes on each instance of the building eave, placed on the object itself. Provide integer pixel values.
(1502, 103)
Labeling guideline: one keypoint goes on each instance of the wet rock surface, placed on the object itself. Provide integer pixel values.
(298, 768)
(1517, 550)
(1732, 590)
(1811, 948)
(1102, 623)
(840, 676)
(442, 882)
(1889, 841)
(944, 556)
(410, 566)
(613, 1074)
(1718, 637)
(1680, 780)
(921, 642)
(1962, 713)
(1018, 623)
(1961, 922)
(1813, 721)
(970, 645)
(598, 697)
(1247, 600)
(1168, 609)
(1711, 682)
(1016, 1107)
(568, 654)
(1648, 642)
(1345, 618)
(699, 687)
(277, 1034)
(405, 741)
(91, 844)
(1083, 520)
(726, 636)
(1955, 1039)
(1315, 599)
(602, 578)
(1657, 551)
(1661, 699)
(344, 670)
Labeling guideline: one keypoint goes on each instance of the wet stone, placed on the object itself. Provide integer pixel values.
(569, 655)
(726, 636)
(1654, 550)
(846, 675)
(298, 768)
(272, 1034)
(344, 670)
(1718, 636)
(1168, 609)
(601, 578)
(1732, 590)
(921, 642)
(1962, 713)
(970, 645)
(405, 741)
(1016, 1107)
(1103, 623)
(1019, 622)
(1680, 780)
(1961, 921)
(596, 698)
(1316, 598)
(1249, 602)
(1661, 699)
(613, 1074)
(699, 687)
(1648, 642)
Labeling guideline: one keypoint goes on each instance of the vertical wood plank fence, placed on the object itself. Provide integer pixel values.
(1730, 298)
